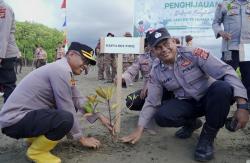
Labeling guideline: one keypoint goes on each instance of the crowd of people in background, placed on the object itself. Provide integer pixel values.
(107, 64)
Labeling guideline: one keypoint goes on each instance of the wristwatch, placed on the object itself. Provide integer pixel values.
(245, 106)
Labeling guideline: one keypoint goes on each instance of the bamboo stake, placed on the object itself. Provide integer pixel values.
(119, 93)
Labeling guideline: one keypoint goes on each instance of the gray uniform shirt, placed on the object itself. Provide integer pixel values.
(49, 87)
(143, 63)
(8, 47)
(235, 17)
(190, 77)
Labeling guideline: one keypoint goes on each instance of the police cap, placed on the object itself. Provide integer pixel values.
(84, 50)
(158, 35)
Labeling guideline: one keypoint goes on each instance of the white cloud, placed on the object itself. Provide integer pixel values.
(89, 20)
(86, 20)
(40, 11)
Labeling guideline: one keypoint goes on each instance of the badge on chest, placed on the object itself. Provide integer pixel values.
(72, 80)
(185, 62)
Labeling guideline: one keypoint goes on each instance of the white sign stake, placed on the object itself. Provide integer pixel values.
(121, 45)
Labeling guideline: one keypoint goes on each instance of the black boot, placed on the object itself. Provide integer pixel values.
(204, 149)
(187, 130)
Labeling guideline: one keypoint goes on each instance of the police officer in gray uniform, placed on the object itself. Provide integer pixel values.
(8, 49)
(192, 75)
(43, 106)
(235, 17)
(136, 100)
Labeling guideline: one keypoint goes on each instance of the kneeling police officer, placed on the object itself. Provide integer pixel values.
(43, 106)
(203, 86)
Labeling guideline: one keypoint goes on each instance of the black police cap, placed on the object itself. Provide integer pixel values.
(158, 35)
(84, 50)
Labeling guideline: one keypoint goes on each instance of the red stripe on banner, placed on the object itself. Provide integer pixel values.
(63, 4)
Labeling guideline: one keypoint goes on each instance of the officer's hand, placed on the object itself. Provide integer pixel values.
(143, 93)
(134, 136)
(242, 117)
(90, 142)
(225, 35)
(105, 121)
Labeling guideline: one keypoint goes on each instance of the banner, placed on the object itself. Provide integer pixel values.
(180, 17)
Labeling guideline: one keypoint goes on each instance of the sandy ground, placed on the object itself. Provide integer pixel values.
(160, 148)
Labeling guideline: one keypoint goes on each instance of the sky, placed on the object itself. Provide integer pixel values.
(87, 20)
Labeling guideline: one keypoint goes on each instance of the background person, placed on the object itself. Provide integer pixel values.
(8, 50)
(234, 15)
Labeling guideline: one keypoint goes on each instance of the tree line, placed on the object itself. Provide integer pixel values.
(28, 35)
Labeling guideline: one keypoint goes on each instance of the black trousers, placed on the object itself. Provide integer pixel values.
(19, 62)
(138, 103)
(244, 68)
(7, 76)
(214, 105)
(52, 123)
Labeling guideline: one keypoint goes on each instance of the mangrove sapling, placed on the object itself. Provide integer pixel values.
(106, 94)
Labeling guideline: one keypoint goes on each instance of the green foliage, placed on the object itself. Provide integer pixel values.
(28, 35)
(91, 104)
(106, 93)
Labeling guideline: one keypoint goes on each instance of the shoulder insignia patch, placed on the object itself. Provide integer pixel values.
(2, 13)
(201, 53)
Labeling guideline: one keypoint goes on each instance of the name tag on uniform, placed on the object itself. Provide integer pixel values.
(245, 52)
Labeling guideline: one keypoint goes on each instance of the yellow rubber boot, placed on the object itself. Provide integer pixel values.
(39, 151)
(30, 140)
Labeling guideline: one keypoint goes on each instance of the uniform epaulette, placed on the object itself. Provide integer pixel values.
(185, 52)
